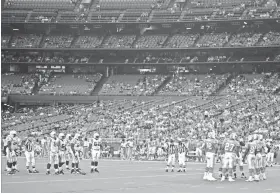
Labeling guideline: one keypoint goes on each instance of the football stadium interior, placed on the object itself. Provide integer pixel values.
(141, 69)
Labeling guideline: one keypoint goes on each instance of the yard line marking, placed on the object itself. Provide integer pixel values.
(129, 183)
(94, 179)
(268, 189)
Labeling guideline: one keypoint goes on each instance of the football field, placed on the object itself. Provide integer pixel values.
(126, 177)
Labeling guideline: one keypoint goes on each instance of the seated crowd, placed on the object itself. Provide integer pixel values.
(182, 40)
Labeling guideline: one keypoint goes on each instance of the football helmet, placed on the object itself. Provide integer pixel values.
(61, 136)
(96, 135)
(52, 134)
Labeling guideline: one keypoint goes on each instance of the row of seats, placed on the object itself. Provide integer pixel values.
(64, 84)
(242, 39)
(132, 15)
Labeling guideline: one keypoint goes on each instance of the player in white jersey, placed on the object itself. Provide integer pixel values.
(29, 154)
(11, 152)
(95, 148)
(61, 152)
(68, 150)
(76, 152)
(129, 148)
(53, 153)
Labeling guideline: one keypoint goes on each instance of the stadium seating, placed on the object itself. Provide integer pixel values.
(18, 83)
(245, 39)
(75, 84)
(5, 41)
(193, 85)
(121, 85)
(182, 41)
(26, 41)
(136, 15)
(213, 40)
(39, 4)
(56, 41)
(119, 41)
(150, 41)
(88, 42)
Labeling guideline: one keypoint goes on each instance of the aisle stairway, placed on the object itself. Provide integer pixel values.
(99, 85)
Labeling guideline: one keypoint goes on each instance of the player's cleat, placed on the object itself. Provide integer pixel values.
(67, 168)
(30, 171)
(234, 175)
(230, 179)
(264, 176)
(56, 173)
(257, 178)
(10, 173)
(223, 178)
(179, 170)
(15, 170)
(92, 171)
(205, 177)
(184, 170)
(172, 170)
(243, 175)
(35, 171)
(48, 173)
(250, 179)
(73, 171)
(61, 172)
(96, 170)
(166, 170)
(261, 177)
(210, 178)
(271, 165)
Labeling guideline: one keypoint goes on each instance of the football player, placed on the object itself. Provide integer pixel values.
(53, 153)
(211, 147)
(260, 158)
(61, 152)
(231, 149)
(170, 147)
(95, 148)
(11, 152)
(76, 151)
(129, 148)
(251, 152)
(182, 150)
(29, 154)
(68, 139)
(270, 155)
(123, 148)
(239, 161)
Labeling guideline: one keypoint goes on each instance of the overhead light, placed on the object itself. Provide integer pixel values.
(15, 29)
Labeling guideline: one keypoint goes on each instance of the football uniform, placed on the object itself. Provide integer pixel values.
(62, 150)
(230, 148)
(29, 152)
(260, 152)
(123, 147)
(270, 155)
(95, 148)
(210, 147)
(198, 150)
(251, 150)
(129, 149)
(12, 148)
(53, 152)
